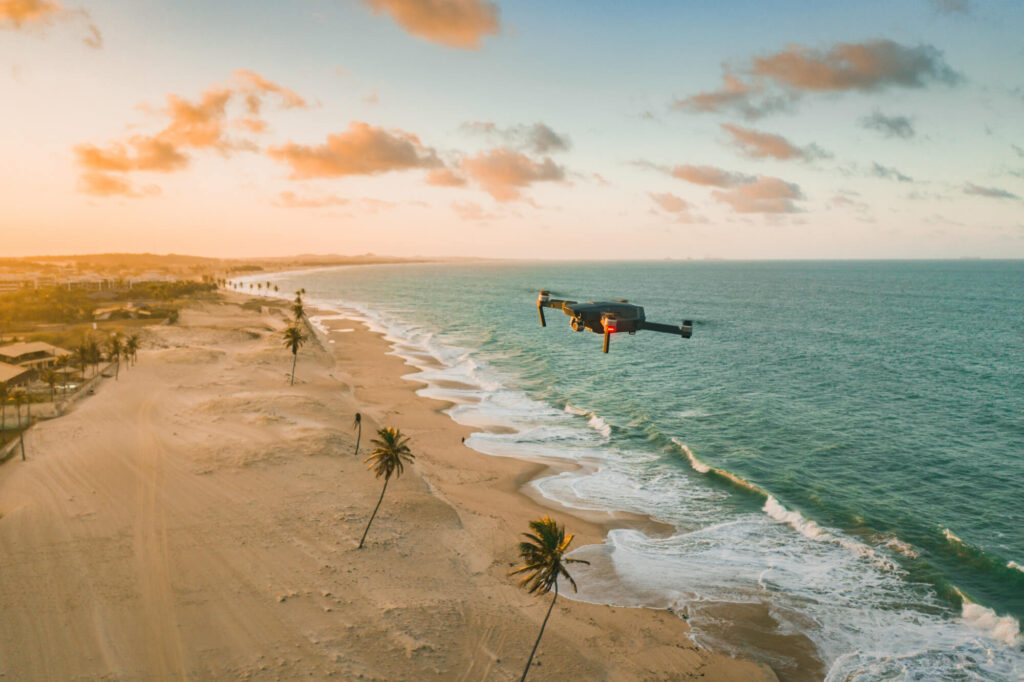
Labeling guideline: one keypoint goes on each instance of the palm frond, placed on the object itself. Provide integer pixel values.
(543, 556)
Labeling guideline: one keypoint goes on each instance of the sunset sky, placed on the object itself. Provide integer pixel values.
(563, 129)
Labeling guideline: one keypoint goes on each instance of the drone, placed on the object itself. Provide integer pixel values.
(604, 317)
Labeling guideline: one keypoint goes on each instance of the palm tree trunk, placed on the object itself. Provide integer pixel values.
(359, 435)
(535, 644)
(363, 539)
(295, 358)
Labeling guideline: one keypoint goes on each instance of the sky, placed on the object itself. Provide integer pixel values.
(525, 129)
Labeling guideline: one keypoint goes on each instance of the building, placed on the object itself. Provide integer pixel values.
(31, 356)
(12, 375)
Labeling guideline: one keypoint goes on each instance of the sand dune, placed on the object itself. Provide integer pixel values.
(198, 519)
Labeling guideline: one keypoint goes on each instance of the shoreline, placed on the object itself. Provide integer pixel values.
(591, 525)
(198, 518)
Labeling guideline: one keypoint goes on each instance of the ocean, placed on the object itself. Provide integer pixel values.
(841, 443)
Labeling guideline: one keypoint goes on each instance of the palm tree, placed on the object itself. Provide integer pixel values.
(114, 348)
(293, 340)
(131, 345)
(543, 563)
(81, 356)
(4, 395)
(298, 310)
(51, 377)
(357, 423)
(391, 452)
(19, 396)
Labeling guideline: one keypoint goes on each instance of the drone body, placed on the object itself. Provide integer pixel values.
(607, 318)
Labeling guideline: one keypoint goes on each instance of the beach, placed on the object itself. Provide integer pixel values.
(198, 518)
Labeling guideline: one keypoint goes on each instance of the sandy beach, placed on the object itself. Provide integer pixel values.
(198, 519)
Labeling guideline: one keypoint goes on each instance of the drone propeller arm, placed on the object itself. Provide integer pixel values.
(684, 330)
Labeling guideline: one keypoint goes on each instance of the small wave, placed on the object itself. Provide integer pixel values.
(697, 465)
(1005, 629)
(1014, 564)
(703, 468)
(952, 538)
(600, 425)
(593, 421)
(900, 547)
(692, 414)
(809, 529)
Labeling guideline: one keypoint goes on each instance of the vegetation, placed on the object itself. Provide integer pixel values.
(391, 452)
(543, 563)
(59, 305)
(293, 340)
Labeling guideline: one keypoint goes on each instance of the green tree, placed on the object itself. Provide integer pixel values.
(543, 555)
(293, 340)
(391, 452)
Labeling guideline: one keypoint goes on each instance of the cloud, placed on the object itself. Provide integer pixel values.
(537, 138)
(744, 193)
(361, 150)
(21, 13)
(445, 177)
(889, 173)
(471, 211)
(27, 15)
(106, 185)
(737, 95)
(991, 192)
(1017, 150)
(256, 86)
(93, 38)
(139, 153)
(199, 124)
(670, 202)
(758, 145)
(764, 195)
(291, 200)
(773, 82)
(709, 175)
(504, 172)
(951, 6)
(453, 23)
(889, 126)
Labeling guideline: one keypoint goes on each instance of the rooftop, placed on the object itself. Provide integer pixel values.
(8, 372)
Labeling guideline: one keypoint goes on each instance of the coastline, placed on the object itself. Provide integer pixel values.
(199, 518)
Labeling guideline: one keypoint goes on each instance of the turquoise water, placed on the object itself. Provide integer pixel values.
(842, 441)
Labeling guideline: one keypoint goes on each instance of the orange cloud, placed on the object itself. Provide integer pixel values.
(471, 211)
(872, 65)
(361, 150)
(256, 85)
(670, 202)
(22, 12)
(454, 23)
(105, 185)
(760, 145)
(291, 200)
(775, 81)
(709, 175)
(201, 124)
(150, 154)
(445, 177)
(764, 195)
(503, 172)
